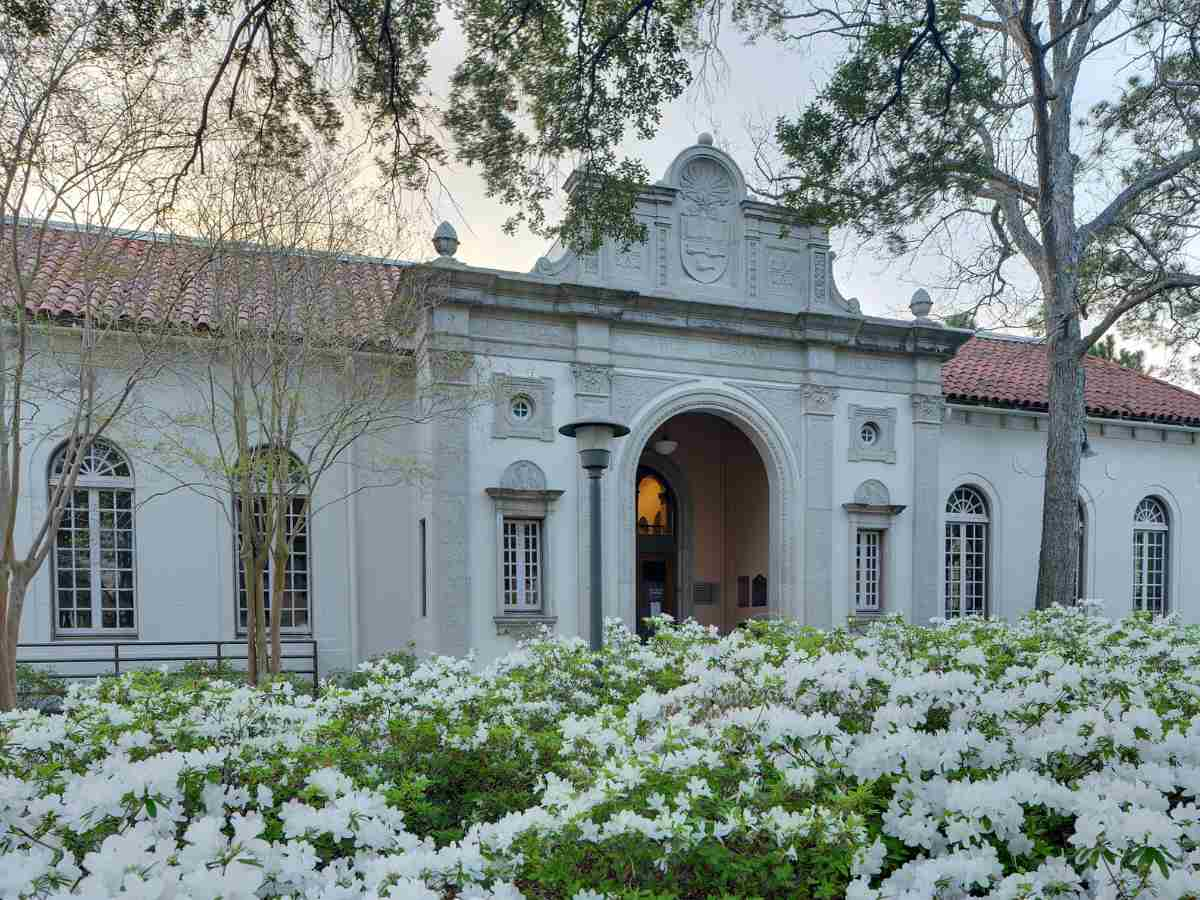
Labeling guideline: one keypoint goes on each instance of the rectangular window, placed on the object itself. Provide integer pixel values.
(522, 565)
(424, 572)
(1150, 571)
(93, 562)
(294, 609)
(868, 570)
(966, 569)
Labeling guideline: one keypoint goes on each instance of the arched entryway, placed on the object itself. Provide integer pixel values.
(773, 447)
(702, 523)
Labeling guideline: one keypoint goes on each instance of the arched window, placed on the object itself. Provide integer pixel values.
(1151, 555)
(295, 607)
(655, 505)
(966, 557)
(94, 571)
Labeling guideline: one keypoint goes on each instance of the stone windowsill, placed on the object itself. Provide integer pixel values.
(516, 623)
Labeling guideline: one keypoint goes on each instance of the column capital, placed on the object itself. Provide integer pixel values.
(818, 399)
(928, 409)
(592, 379)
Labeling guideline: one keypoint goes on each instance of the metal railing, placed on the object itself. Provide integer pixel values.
(98, 659)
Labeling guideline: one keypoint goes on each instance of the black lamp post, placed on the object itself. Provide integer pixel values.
(594, 436)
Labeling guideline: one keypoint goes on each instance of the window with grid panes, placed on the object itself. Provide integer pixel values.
(966, 553)
(1151, 549)
(521, 563)
(94, 565)
(868, 570)
(294, 604)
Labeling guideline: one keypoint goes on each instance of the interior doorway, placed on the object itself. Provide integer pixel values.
(658, 548)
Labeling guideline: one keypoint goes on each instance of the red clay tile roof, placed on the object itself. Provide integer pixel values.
(999, 371)
(146, 276)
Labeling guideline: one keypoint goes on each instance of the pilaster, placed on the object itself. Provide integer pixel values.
(928, 412)
(445, 367)
(819, 411)
(592, 377)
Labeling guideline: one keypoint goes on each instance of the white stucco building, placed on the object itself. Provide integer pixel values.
(788, 456)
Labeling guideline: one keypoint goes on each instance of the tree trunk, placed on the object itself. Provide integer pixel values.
(261, 667)
(251, 631)
(12, 598)
(278, 577)
(1058, 564)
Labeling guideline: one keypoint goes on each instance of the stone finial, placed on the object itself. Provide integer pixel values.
(921, 304)
(445, 240)
(705, 139)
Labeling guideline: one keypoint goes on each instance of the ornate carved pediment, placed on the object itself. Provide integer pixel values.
(872, 499)
(523, 475)
(708, 241)
(872, 492)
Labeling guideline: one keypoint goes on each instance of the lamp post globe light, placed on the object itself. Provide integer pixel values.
(594, 436)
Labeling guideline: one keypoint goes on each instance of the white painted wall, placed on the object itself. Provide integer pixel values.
(559, 460)
(994, 452)
(365, 571)
(899, 480)
(362, 542)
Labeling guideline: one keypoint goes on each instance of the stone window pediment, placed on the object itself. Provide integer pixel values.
(523, 506)
(872, 568)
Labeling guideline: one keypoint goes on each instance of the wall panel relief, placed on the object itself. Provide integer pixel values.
(752, 266)
(874, 366)
(632, 392)
(783, 270)
(662, 236)
(708, 348)
(523, 331)
(787, 406)
(820, 277)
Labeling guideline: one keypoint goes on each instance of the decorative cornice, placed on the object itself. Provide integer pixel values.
(509, 291)
(500, 493)
(878, 509)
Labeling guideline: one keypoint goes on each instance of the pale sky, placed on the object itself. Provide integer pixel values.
(761, 82)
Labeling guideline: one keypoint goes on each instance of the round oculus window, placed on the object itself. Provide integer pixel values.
(869, 434)
(521, 408)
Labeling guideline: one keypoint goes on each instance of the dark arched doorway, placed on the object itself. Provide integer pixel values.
(657, 546)
(702, 516)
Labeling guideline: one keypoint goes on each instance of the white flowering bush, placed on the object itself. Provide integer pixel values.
(1058, 757)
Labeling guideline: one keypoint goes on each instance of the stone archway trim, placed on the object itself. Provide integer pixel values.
(773, 447)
